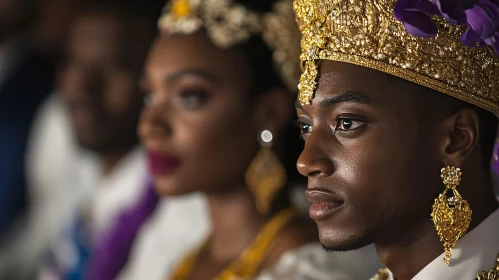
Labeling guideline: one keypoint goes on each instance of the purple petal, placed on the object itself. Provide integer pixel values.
(428, 8)
(450, 10)
(402, 5)
(470, 38)
(414, 19)
(483, 18)
(419, 24)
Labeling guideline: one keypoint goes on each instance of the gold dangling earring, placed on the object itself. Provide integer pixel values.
(451, 215)
(265, 175)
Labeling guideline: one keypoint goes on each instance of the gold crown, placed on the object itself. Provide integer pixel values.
(229, 24)
(366, 33)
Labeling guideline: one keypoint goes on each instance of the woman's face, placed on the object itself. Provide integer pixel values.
(199, 127)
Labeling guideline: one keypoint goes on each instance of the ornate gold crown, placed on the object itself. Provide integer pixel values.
(229, 24)
(366, 33)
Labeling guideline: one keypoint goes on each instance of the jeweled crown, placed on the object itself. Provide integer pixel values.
(366, 33)
(228, 23)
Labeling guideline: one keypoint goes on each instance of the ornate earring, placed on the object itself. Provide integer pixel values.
(265, 175)
(451, 215)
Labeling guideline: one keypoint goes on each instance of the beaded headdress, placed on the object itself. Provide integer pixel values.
(422, 41)
(229, 24)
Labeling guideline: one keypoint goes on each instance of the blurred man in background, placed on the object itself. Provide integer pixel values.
(99, 103)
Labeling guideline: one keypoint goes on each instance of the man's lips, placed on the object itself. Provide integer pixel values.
(324, 203)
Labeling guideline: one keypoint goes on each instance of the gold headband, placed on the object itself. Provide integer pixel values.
(366, 33)
(229, 24)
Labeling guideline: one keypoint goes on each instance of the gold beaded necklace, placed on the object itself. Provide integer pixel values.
(250, 259)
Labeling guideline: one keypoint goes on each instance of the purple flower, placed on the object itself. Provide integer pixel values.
(452, 10)
(481, 17)
(414, 15)
(483, 22)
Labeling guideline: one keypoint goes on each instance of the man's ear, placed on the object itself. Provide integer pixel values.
(460, 134)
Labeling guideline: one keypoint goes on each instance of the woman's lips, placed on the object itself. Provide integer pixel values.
(161, 163)
(324, 203)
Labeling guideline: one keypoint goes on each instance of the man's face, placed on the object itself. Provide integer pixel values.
(99, 82)
(370, 156)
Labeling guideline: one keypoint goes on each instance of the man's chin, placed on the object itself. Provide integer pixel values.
(346, 242)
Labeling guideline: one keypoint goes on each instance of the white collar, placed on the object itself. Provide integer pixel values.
(475, 252)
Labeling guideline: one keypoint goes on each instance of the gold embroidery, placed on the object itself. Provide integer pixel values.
(491, 275)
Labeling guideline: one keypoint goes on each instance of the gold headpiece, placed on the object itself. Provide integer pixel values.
(366, 33)
(229, 24)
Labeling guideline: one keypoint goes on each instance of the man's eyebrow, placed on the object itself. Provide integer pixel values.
(346, 97)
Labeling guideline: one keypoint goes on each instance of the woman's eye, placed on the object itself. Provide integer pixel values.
(304, 127)
(345, 124)
(193, 99)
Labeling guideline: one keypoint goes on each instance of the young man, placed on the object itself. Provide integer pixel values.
(384, 106)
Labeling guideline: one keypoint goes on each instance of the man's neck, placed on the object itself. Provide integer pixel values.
(109, 161)
(411, 251)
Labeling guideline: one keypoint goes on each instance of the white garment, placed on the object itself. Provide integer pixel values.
(109, 195)
(51, 156)
(474, 252)
(177, 227)
(312, 262)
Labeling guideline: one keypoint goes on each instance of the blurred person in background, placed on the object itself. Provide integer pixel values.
(29, 64)
(24, 80)
(89, 182)
(221, 77)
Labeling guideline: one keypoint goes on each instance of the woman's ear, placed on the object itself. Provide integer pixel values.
(273, 109)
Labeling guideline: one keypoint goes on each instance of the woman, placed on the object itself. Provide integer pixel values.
(208, 128)
(222, 75)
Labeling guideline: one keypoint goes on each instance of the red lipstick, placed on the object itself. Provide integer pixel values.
(161, 163)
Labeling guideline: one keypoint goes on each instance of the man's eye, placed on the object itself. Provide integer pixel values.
(345, 124)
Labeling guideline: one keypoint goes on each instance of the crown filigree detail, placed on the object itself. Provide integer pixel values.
(366, 33)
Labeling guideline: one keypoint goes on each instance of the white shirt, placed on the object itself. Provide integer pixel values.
(475, 252)
(177, 227)
(312, 262)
